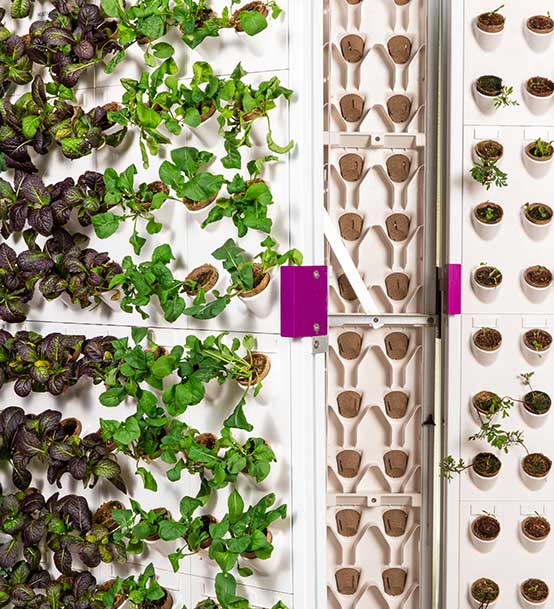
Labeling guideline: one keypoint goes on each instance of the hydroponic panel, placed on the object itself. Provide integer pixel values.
(499, 501)
(375, 119)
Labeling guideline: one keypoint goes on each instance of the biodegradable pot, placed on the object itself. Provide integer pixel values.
(487, 218)
(352, 107)
(538, 92)
(348, 463)
(533, 593)
(538, 32)
(257, 6)
(207, 520)
(537, 166)
(166, 602)
(484, 531)
(398, 227)
(207, 439)
(105, 586)
(167, 516)
(351, 226)
(348, 522)
(537, 219)
(536, 344)
(205, 277)
(394, 581)
(396, 463)
(259, 299)
(489, 29)
(396, 345)
(395, 522)
(485, 90)
(351, 167)
(71, 426)
(483, 593)
(396, 404)
(486, 281)
(345, 288)
(534, 532)
(535, 407)
(347, 580)
(196, 209)
(261, 365)
(485, 470)
(399, 108)
(397, 286)
(400, 49)
(352, 48)
(398, 167)
(349, 404)
(535, 468)
(481, 404)
(488, 150)
(536, 281)
(350, 345)
(103, 514)
(252, 555)
(485, 344)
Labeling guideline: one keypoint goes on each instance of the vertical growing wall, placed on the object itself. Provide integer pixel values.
(264, 56)
(499, 232)
(379, 245)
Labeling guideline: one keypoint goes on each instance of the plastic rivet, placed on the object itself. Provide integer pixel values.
(316, 274)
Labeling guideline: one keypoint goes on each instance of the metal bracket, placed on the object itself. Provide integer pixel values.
(375, 140)
(373, 499)
(320, 344)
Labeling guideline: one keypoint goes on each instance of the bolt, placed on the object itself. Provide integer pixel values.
(316, 344)
(430, 320)
(316, 328)
(377, 139)
(373, 500)
(316, 274)
(375, 320)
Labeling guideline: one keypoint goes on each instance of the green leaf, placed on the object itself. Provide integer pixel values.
(235, 506)
(106, 224)
(148, 479)
(113, 396)
(138, 334)
(163, 367)
(192, 117)
(137, 242)
(171, 530)
(202, 187)
(275, 147)
(29, 126)
(237, 419)
(163, 50)
(149, 118)
(111, 8)
(153, 227)
(252, 22)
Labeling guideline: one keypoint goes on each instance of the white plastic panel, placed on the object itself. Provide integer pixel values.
(375, 116)
(512, 310)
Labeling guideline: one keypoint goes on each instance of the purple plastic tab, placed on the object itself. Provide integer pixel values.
(303, 301)
(454, 287)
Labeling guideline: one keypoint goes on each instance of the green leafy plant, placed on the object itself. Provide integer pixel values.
(134, 203)
(149, 20)
(541, 148)
(247, 203)
(141, 592)
(148, 105)
(487, 173)
(503, 99)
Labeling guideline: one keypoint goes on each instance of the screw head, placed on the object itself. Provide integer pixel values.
(316, 274)
(375, 320)
(316, 327)
(316, 344)
(373, 500)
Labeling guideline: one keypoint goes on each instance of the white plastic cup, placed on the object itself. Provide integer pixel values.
(533, 293)
(485, 294)
(488, 41)
(535, 231)
(536, 167)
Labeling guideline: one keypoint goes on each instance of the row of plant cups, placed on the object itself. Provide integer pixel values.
(489, 30)
(532, 593)
(487, 281)
(485, 530)
(536, 219)
(487, 161)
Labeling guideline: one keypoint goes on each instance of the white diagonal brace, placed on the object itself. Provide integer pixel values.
(335, 241)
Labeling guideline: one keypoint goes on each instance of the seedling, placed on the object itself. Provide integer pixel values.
(503, 99)
(541, 149)
(487, 173)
